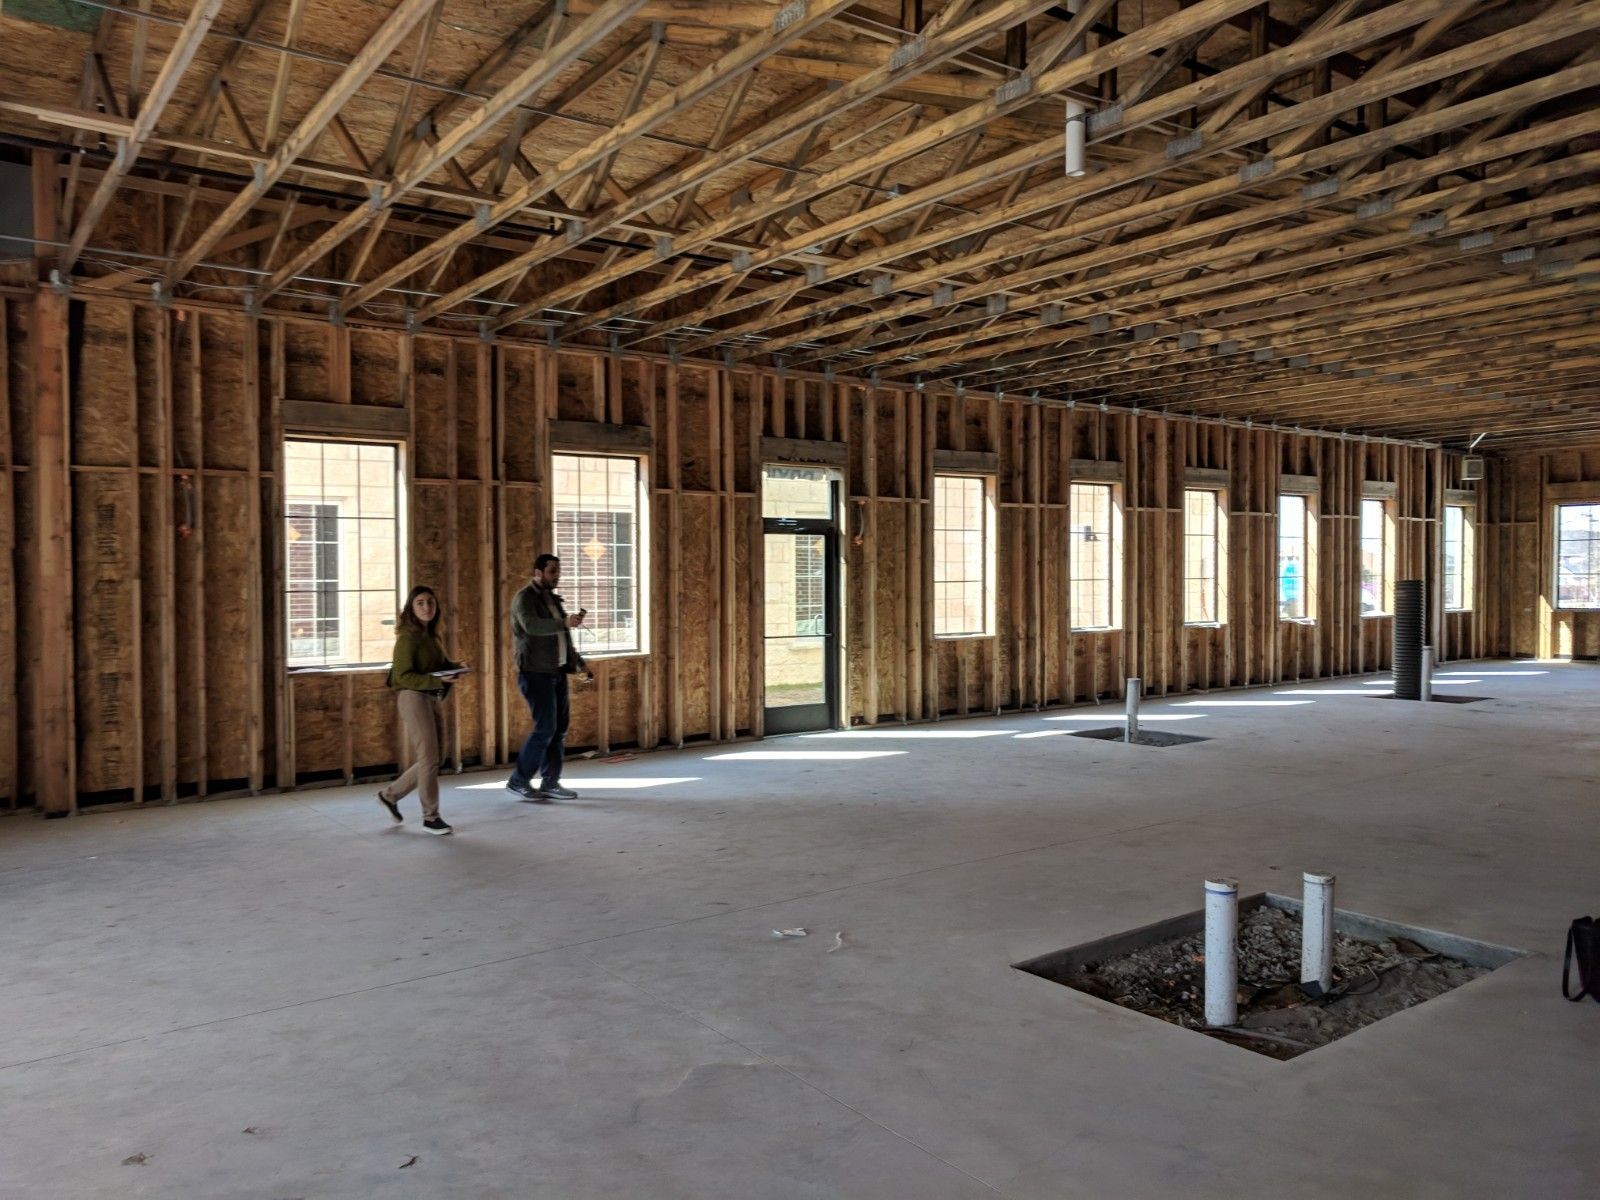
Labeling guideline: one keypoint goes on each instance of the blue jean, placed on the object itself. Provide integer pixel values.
(541, 755)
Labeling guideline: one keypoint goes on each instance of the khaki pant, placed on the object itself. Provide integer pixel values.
(423, 718)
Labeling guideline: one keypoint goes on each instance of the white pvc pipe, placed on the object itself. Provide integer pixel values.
(1316, 930)
(1427, 673)
(1131, 729)
(1222, 952)
(1077, 127)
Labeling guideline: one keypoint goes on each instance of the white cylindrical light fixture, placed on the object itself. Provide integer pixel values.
(1316, 930)
(1426, 692)
(1131, 728)
(1222, 952)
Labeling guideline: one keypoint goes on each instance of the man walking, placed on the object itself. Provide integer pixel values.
(542, 632)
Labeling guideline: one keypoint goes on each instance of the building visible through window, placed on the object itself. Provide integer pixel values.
(1203, 517)
(1294, 558)
(343, 553)
(597, 505)
(1374, 558)
(961, 530)
(1457, 553)
(1578, 556)
(1093, 555)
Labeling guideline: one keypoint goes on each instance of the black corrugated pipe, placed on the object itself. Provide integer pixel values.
(1410, 619)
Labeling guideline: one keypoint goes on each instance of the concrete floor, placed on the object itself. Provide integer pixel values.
(286, 997)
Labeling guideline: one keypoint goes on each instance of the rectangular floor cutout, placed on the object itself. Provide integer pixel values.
(1380, 968)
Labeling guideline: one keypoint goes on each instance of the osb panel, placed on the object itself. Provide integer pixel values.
(430, 443)
(694, 429)
(521, 404)
(374, 721)
(319, 723)
(229, 397)
(105, 582)
(624, 701)
(698, 551)
(744, 510)
(17, 364)
(306, 351)
(149, 328)
(376, 371)
(103, 393)
(577, 387)
(468, 464)
(888, 656)
(232, 677)
(156, 524)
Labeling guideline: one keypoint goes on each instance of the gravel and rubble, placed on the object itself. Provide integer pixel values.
(1372, 980)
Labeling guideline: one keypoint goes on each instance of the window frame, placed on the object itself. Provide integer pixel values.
(1115, 566)
(402, 538)
(1467, 560)
(641, 548)
(1308, 532)
(1555, 550)
(988, 532)
(1386, 554)
(1219, 556)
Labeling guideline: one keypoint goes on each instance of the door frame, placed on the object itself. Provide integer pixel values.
(834, 588)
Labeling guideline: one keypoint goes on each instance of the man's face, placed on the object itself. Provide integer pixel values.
(550, 576)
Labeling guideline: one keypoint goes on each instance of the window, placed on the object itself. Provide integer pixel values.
(1457, 550)
(1578, 556)
(1092, 553)
(344, 551)
(599, 538)
(1296, 548)
(1375, 559)
(1204, 537)
(962, 570)
(810, 590)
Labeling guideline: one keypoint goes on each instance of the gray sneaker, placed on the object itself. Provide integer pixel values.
(556, 792)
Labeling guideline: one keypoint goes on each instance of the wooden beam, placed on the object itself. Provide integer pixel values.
(372, 56)
(177, 61)
(528, 81)
(54, 744)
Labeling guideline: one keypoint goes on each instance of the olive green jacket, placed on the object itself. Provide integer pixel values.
(415, 655)
(539, 631)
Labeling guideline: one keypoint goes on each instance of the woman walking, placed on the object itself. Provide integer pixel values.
(419, 677)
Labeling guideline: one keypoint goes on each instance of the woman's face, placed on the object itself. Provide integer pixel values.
(425, 608)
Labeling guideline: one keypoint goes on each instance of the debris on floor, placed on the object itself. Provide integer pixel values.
(788, 933)
(838, 942)
(250, 1129)
(136, 1160)
(1372, 980)
(410, 1162)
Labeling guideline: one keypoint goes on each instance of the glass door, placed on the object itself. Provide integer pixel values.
(800, 553)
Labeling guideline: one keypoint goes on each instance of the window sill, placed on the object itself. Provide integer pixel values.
(615, 655)
(1097, 629)
(1205, 624)
(1449, 612)
(1376, 616)
(961, 637)
(355, 669)
(1297, 620)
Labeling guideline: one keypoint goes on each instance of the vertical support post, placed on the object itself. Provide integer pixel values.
(1131, 727)
(55, 769)
(1316, 934)
(1222, 952)
(1426, 691)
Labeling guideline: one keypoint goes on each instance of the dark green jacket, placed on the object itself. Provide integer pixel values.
(416, 654)
(539, 630)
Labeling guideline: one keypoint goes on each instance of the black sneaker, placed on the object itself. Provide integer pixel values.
(556, 792)
(437, 825)
(391, 805)
(529, 793)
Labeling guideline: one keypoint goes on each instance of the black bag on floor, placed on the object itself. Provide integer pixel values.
(1583, 943)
